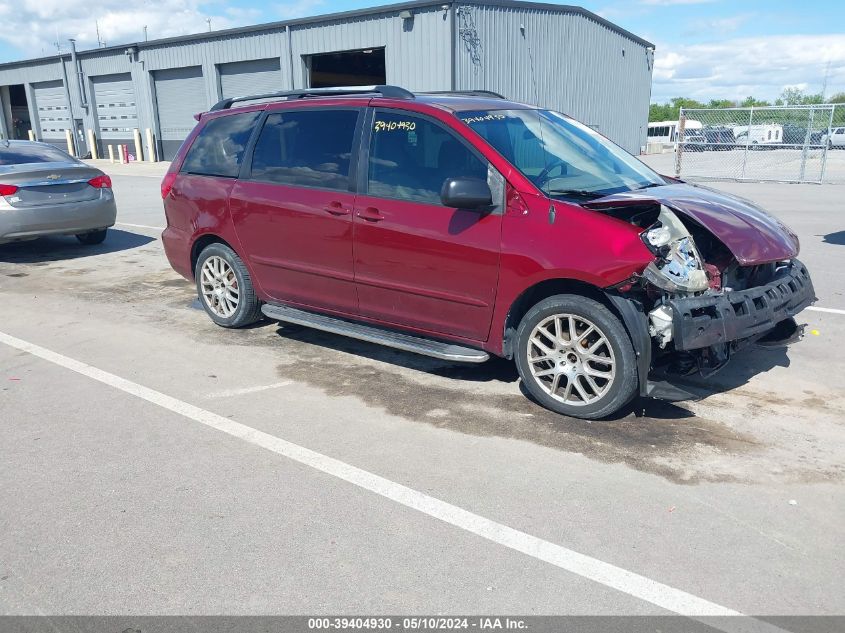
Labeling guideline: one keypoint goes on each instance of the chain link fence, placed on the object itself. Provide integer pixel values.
(775, 143)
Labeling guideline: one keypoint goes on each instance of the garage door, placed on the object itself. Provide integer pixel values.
(260, 76)
(114, 97)
(53, 112)
(180, 94)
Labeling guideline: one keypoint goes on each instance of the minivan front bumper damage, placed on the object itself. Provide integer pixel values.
(712, 327)
(699, 322)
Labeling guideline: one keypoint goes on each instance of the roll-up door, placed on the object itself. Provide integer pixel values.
(53, 111)
(260, 76)
(114, 96)
(180, 94)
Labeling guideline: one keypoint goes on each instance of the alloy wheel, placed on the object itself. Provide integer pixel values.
(219, 285)
(571, 359)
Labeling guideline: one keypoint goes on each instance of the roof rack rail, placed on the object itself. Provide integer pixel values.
(467, 93)
(391, 92)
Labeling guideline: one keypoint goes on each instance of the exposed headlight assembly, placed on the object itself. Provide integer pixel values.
(679, 267)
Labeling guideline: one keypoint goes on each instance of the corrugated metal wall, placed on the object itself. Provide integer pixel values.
(417, 52)
(580, 66)
(579, 63)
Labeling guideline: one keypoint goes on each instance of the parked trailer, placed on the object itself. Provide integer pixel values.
(763, 134)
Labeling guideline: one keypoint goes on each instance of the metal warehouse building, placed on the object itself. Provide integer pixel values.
(560, 57)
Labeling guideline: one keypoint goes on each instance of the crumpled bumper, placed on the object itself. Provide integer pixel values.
(699, 322)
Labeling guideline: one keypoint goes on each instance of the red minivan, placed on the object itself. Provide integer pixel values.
(460, 225)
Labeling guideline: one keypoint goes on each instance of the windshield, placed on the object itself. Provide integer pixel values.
(19, 154)
(564, 158)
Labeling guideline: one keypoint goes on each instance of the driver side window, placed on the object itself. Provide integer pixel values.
(411, 157)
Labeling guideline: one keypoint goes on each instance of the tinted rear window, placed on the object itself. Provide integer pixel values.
(219, 148)
(306, 148)
(23, 154)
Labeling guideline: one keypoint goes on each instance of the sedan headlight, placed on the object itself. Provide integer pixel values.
(679, 267)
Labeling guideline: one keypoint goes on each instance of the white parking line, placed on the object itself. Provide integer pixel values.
(141, 226)
(664, 596)
(831, 310)
(229, 393)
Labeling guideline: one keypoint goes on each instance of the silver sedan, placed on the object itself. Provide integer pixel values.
(44, 191)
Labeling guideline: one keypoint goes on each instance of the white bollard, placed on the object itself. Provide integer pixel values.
(92, 144)
(69, 140)
(136, 133)
(151, 148)
(111, 153)
(31, 135)
(120, 153)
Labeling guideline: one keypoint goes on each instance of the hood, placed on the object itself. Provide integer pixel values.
(751, 234)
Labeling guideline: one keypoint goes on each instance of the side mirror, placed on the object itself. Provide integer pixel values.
(466, 193)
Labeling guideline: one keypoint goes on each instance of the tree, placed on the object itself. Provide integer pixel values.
(752, 102)
(796, 96)
(837, 98)
(670, 111)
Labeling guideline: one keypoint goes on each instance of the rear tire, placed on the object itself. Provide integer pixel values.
(93, 237)
(225, 288)
(575, 357)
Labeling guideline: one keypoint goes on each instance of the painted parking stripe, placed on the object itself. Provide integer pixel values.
(663, 596)
(830, 310)
(141, 226)
(231, 393)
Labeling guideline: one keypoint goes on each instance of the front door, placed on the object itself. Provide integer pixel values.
(292, 207)
(418, 263)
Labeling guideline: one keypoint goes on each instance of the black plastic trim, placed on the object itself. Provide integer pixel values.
(636, 322)
(699, 322)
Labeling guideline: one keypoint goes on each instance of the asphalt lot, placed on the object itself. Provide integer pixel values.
(151, 461)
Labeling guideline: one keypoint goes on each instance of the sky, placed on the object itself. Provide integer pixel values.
(705, 49)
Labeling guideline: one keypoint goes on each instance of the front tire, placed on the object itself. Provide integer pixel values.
(92, 238)
(225, 288)
(575, 357)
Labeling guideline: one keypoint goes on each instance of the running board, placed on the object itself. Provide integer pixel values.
(374, 334)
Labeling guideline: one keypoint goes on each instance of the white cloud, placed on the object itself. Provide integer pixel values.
(34, 25)
(758, 66)
(300, 9)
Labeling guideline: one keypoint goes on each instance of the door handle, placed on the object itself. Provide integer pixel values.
(371, 214)
(336, 208)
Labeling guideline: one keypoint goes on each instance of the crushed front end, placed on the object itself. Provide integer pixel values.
(700, 301)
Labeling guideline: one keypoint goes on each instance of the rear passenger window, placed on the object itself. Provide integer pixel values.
(307, 148)
(219, 148)
(410, 157)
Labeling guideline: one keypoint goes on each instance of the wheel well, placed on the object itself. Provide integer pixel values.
(201, 243)
(533, 295)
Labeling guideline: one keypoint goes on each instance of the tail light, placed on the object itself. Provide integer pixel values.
(7, 190)
(167, 183)
(100, 182)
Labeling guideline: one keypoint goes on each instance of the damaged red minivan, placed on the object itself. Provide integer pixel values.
(460, 225)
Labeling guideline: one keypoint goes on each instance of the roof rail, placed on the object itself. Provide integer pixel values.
(391, 92)
(468, 93)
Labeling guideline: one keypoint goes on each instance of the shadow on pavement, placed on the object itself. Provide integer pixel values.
(834, 238)
(57, 248)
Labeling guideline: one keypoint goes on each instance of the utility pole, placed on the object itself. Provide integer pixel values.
(209, 24)
(145, 32)
(100, 42)
(824, 83)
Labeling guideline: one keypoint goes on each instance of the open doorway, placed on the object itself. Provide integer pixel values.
(348, 68)
(18, 114)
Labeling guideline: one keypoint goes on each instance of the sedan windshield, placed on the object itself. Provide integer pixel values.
(25, 153)
(564, 158)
